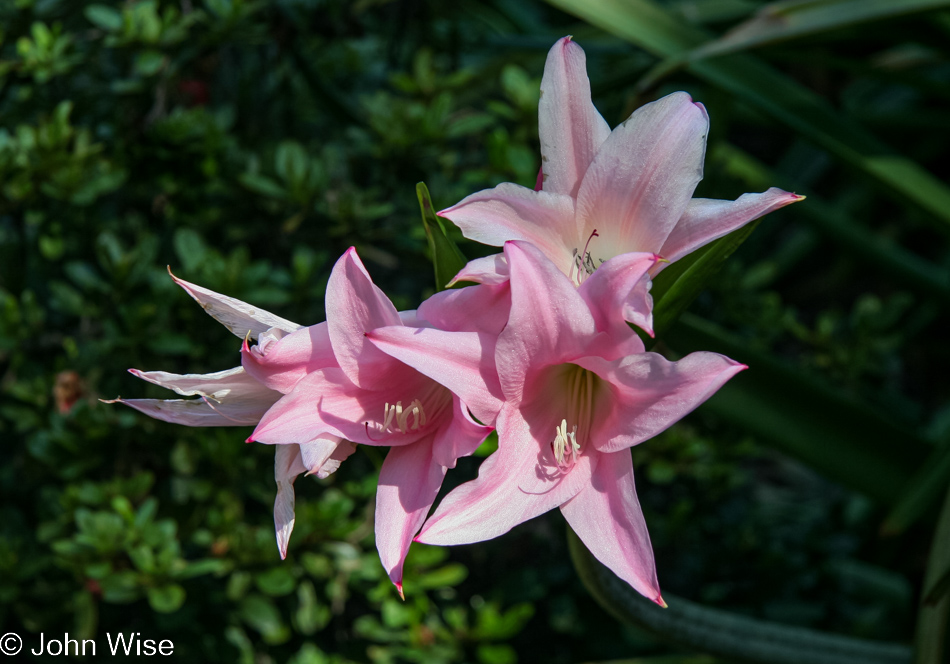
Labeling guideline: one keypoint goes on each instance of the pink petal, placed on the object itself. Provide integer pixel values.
(607, 517)
(216, 385)
(512, 212)
(707, 219)
(518, 482)
(287, 466)
(408, 484)
(621, 286)
(324, 456)
(228, 398)
(643, 177)
(549, 322)
(321, 456)
(355, 306)
(287, 462)
(198, 412)
(462, 361)
(460, 438)
(478, 308)
(282, 364)
(649, 393)
(239, 317)
(327, 403)
(570, 128)
(490, 270)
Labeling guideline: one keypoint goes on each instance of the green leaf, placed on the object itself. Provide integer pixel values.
(148, 63)
(932, 622)
(261, 614)
(923, 493)
(659, 32)
(104, 17)
(290, 162)
(166, 599)
(276, 582)
(679, 284)
(263, 185)
(444, 577)
(781, 21)
(190, 248)
(800, 414)
(446, 256)
(881, 253)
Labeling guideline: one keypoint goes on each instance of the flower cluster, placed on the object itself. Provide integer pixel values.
(540, 349)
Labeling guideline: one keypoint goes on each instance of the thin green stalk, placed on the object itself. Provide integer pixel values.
(721, 633)
(934, 617)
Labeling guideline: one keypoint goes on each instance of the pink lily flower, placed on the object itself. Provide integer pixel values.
(370, 398)
(235, 398)
(577, 390)
(605, 193)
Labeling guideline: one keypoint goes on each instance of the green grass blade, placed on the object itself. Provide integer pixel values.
(932, 621)
(447, 258)
(782, 21)
(923, 493)
(679, 284)
(842, 439)
(884, 255)
(652, 28)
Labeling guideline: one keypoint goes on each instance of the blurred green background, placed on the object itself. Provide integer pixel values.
(246, 144)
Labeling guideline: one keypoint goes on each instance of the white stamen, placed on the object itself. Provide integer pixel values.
(396, 418)
(566, 447)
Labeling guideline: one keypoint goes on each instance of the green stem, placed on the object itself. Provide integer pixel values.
(721, 633)
(932, 621)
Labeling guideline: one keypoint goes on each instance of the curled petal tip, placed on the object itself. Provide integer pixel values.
(250, 439)
(660, 602)
(797, 197)
(116, 400)
(402, 595)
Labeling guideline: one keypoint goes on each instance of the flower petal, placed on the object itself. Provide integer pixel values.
(480, 308)
(355, 305)
(464, 362)
(489, 270)
(409, 482)
(287, 466)
(513, 212)
(322, 457)
(708, 219)
(518, 482)
(643, 177)
(617, 291)
(217, 385)
(460, 438)
(606, 515)
(239, 317)
(327, 403)
(570, 128)
(648, 393)
(549, 322)
(282, 364)
(228, 398)
(198, 412)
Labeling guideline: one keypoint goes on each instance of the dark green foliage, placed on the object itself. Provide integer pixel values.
(246, 144)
